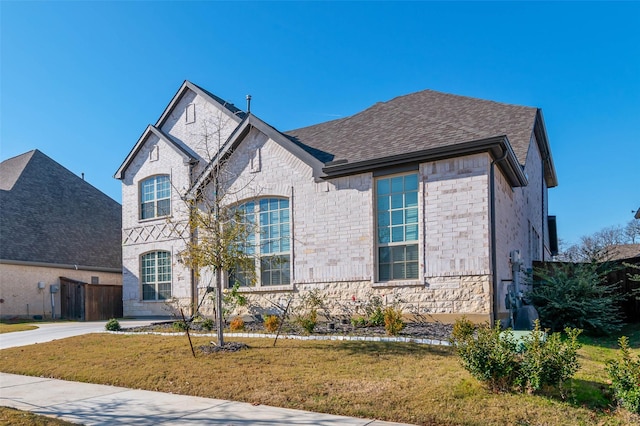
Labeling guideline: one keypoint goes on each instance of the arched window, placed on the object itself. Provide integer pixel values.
(156, 275)
(155, 197)
(270, 243)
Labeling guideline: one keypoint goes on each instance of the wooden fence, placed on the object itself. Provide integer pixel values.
(89, 302)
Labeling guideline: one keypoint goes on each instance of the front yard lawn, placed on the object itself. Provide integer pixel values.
(389, 381)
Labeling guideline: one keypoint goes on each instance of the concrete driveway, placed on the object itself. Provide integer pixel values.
(47, 332)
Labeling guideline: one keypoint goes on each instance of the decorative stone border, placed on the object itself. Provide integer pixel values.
(433, 342)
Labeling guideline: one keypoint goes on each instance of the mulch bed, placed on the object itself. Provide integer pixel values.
(426, 330)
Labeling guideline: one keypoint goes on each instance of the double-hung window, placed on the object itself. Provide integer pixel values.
(269, 243)
(156, 275)
(397, 227)
(155, 197)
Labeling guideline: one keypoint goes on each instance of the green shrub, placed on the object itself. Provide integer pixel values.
(359, 322)
(577, 296)
(462, 329)
(393, 322)
(490, 356)
(180, 326)
(112, 325)
(207, 324)
(271, 323)
(548, 360)
(625, 377)
(497, 359)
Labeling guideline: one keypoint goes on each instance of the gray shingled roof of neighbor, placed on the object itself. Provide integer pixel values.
(421, 121)
(50, 215)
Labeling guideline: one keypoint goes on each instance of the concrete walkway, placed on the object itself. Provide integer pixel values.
(91, 404)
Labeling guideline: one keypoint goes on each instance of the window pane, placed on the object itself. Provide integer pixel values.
(384, 254)
(284, 203)
(146, 210)
(412, 233)
(383, 186)
(398, 253)
(383, 203)
(411, 182)
(397, 201)
(412, 270)
(397, 234)
(411, 216)
(383, 218)
(284, 215)
(164, 207)
(383, 235)
(412, 252)
(397, 184)
(399, 271)
(384, 272)
(148, 292)
(411, 199)
(397, 217)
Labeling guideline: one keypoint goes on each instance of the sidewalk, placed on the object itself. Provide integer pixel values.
(90, 404)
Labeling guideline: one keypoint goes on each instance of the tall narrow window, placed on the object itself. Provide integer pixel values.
(397, 226)
(155, 197)
(156, 275)
(269, 243)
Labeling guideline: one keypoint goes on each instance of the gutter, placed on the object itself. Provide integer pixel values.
(60, 266)
(494, 255)
(498, 145)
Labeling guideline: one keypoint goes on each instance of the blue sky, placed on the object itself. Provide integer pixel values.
(81, 80)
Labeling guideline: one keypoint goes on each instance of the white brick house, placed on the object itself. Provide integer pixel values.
(421, 198)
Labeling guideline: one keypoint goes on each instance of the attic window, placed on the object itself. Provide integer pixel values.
(190, 114)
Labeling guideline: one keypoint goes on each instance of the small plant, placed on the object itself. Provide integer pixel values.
(237, 324)
(393, 322)
(271, 323)
(308, 320)
(624, 373)
(232, 298)
(497, 359)
(180, 326)
(207, 324)
(358, 321)
(548, 360)
(374, 311)
(112, 325)
(462, 329)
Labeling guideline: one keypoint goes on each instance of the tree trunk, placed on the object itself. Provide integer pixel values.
(219, 317)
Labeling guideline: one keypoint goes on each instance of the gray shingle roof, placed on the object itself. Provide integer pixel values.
(50, 215)
(417, 122)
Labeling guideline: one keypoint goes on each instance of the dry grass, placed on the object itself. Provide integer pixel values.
(396, 382)
(13, 417)
(10, 328)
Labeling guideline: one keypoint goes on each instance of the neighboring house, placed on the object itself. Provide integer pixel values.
(54, 226)
(423, 199)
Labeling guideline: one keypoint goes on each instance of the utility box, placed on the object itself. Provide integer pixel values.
(54, 288)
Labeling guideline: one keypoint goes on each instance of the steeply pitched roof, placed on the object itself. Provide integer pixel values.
(420, 122)
(50, 215)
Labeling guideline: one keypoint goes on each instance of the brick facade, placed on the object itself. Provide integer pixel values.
(333, 245)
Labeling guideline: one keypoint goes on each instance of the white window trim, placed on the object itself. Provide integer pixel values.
(155, 200)
(141, 282)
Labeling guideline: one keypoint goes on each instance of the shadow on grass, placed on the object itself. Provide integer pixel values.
(385, 348)
(632, 331)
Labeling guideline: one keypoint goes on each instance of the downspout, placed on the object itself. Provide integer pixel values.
(494, 255)
(542, 213)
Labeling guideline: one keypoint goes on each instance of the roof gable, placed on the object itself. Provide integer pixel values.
(180, 147)
(228, 108)
(12, 168)
(240, 133)
(50, 215)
